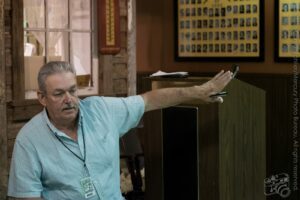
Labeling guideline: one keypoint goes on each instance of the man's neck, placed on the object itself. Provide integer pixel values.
(69, 128)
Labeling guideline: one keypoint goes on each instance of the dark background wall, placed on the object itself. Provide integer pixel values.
(155, 42)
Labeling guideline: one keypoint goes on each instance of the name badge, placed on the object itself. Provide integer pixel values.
(87, 187)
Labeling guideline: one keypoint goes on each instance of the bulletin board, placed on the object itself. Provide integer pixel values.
(287, 30)
(219, 30)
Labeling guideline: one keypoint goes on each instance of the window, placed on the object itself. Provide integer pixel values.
(60, 30)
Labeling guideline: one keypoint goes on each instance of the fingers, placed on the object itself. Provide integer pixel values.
(218, 100)
(220, 81)
(226, 77)
(223, 75)
(217, 84)
(218, 75)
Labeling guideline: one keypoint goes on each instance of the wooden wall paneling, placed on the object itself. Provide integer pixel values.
(8, 92)
(8, 52)
(10, 147)
(120, 87)
(3, 150)
(13, 129)
(113, 73)
(150, 34)
(131, 47)
(106, 80)
(121, 69)
(24, 110)
(3, 131)
(8, 76)
(18, 50)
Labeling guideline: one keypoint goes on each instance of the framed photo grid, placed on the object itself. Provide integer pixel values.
(219, 29)
(287, 30)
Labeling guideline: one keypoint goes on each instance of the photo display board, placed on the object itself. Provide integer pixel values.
(223, 29)
(287, 30)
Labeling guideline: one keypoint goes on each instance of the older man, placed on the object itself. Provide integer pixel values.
(71, 149)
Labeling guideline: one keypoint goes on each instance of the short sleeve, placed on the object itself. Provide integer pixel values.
(125, 112)
(25, 171)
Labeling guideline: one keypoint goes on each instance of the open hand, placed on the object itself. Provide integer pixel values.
(213, 86)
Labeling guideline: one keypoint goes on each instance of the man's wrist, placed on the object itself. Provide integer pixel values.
(198, 92)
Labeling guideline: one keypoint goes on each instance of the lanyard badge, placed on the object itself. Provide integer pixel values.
(87, 187)
(86, 183)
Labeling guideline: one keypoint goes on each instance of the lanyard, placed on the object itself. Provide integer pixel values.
(84, 150)
(86, 183)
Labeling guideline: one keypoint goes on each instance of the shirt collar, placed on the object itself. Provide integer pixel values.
(54, 129)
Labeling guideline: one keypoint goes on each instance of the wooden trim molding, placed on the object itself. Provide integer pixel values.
(24, 110)
(109, 27)
(3, 123)
(18, 50)
(131, 46)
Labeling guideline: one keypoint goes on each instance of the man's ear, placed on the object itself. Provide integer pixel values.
(41, 97)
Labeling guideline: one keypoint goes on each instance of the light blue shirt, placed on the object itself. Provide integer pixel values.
(42, 167)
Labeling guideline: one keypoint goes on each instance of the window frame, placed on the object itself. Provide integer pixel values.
(23, 109)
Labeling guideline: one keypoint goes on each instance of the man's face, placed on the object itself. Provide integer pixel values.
(60, 98)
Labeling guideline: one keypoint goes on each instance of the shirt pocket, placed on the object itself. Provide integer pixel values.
(102, 152)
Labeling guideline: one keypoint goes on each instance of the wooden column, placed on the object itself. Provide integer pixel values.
(18, 50)
(114, 70)
(3, 132)
(131, 45)
(106, 79)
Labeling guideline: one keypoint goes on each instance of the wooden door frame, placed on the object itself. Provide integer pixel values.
(131, 47)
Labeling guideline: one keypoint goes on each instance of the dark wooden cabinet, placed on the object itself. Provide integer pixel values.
(207, 151)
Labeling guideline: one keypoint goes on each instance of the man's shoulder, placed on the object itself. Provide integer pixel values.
(96, 100)
(104, 99)
(102, 102)
(91, 99)
(34, 125)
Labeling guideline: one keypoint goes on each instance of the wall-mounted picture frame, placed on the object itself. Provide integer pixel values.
(287, 30)
(215, 30)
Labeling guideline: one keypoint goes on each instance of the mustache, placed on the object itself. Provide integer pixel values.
(70, 106)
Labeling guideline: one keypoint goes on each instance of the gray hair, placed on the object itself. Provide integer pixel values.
(51, 68)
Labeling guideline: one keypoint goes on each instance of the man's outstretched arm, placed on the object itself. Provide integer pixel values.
(162, 98)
